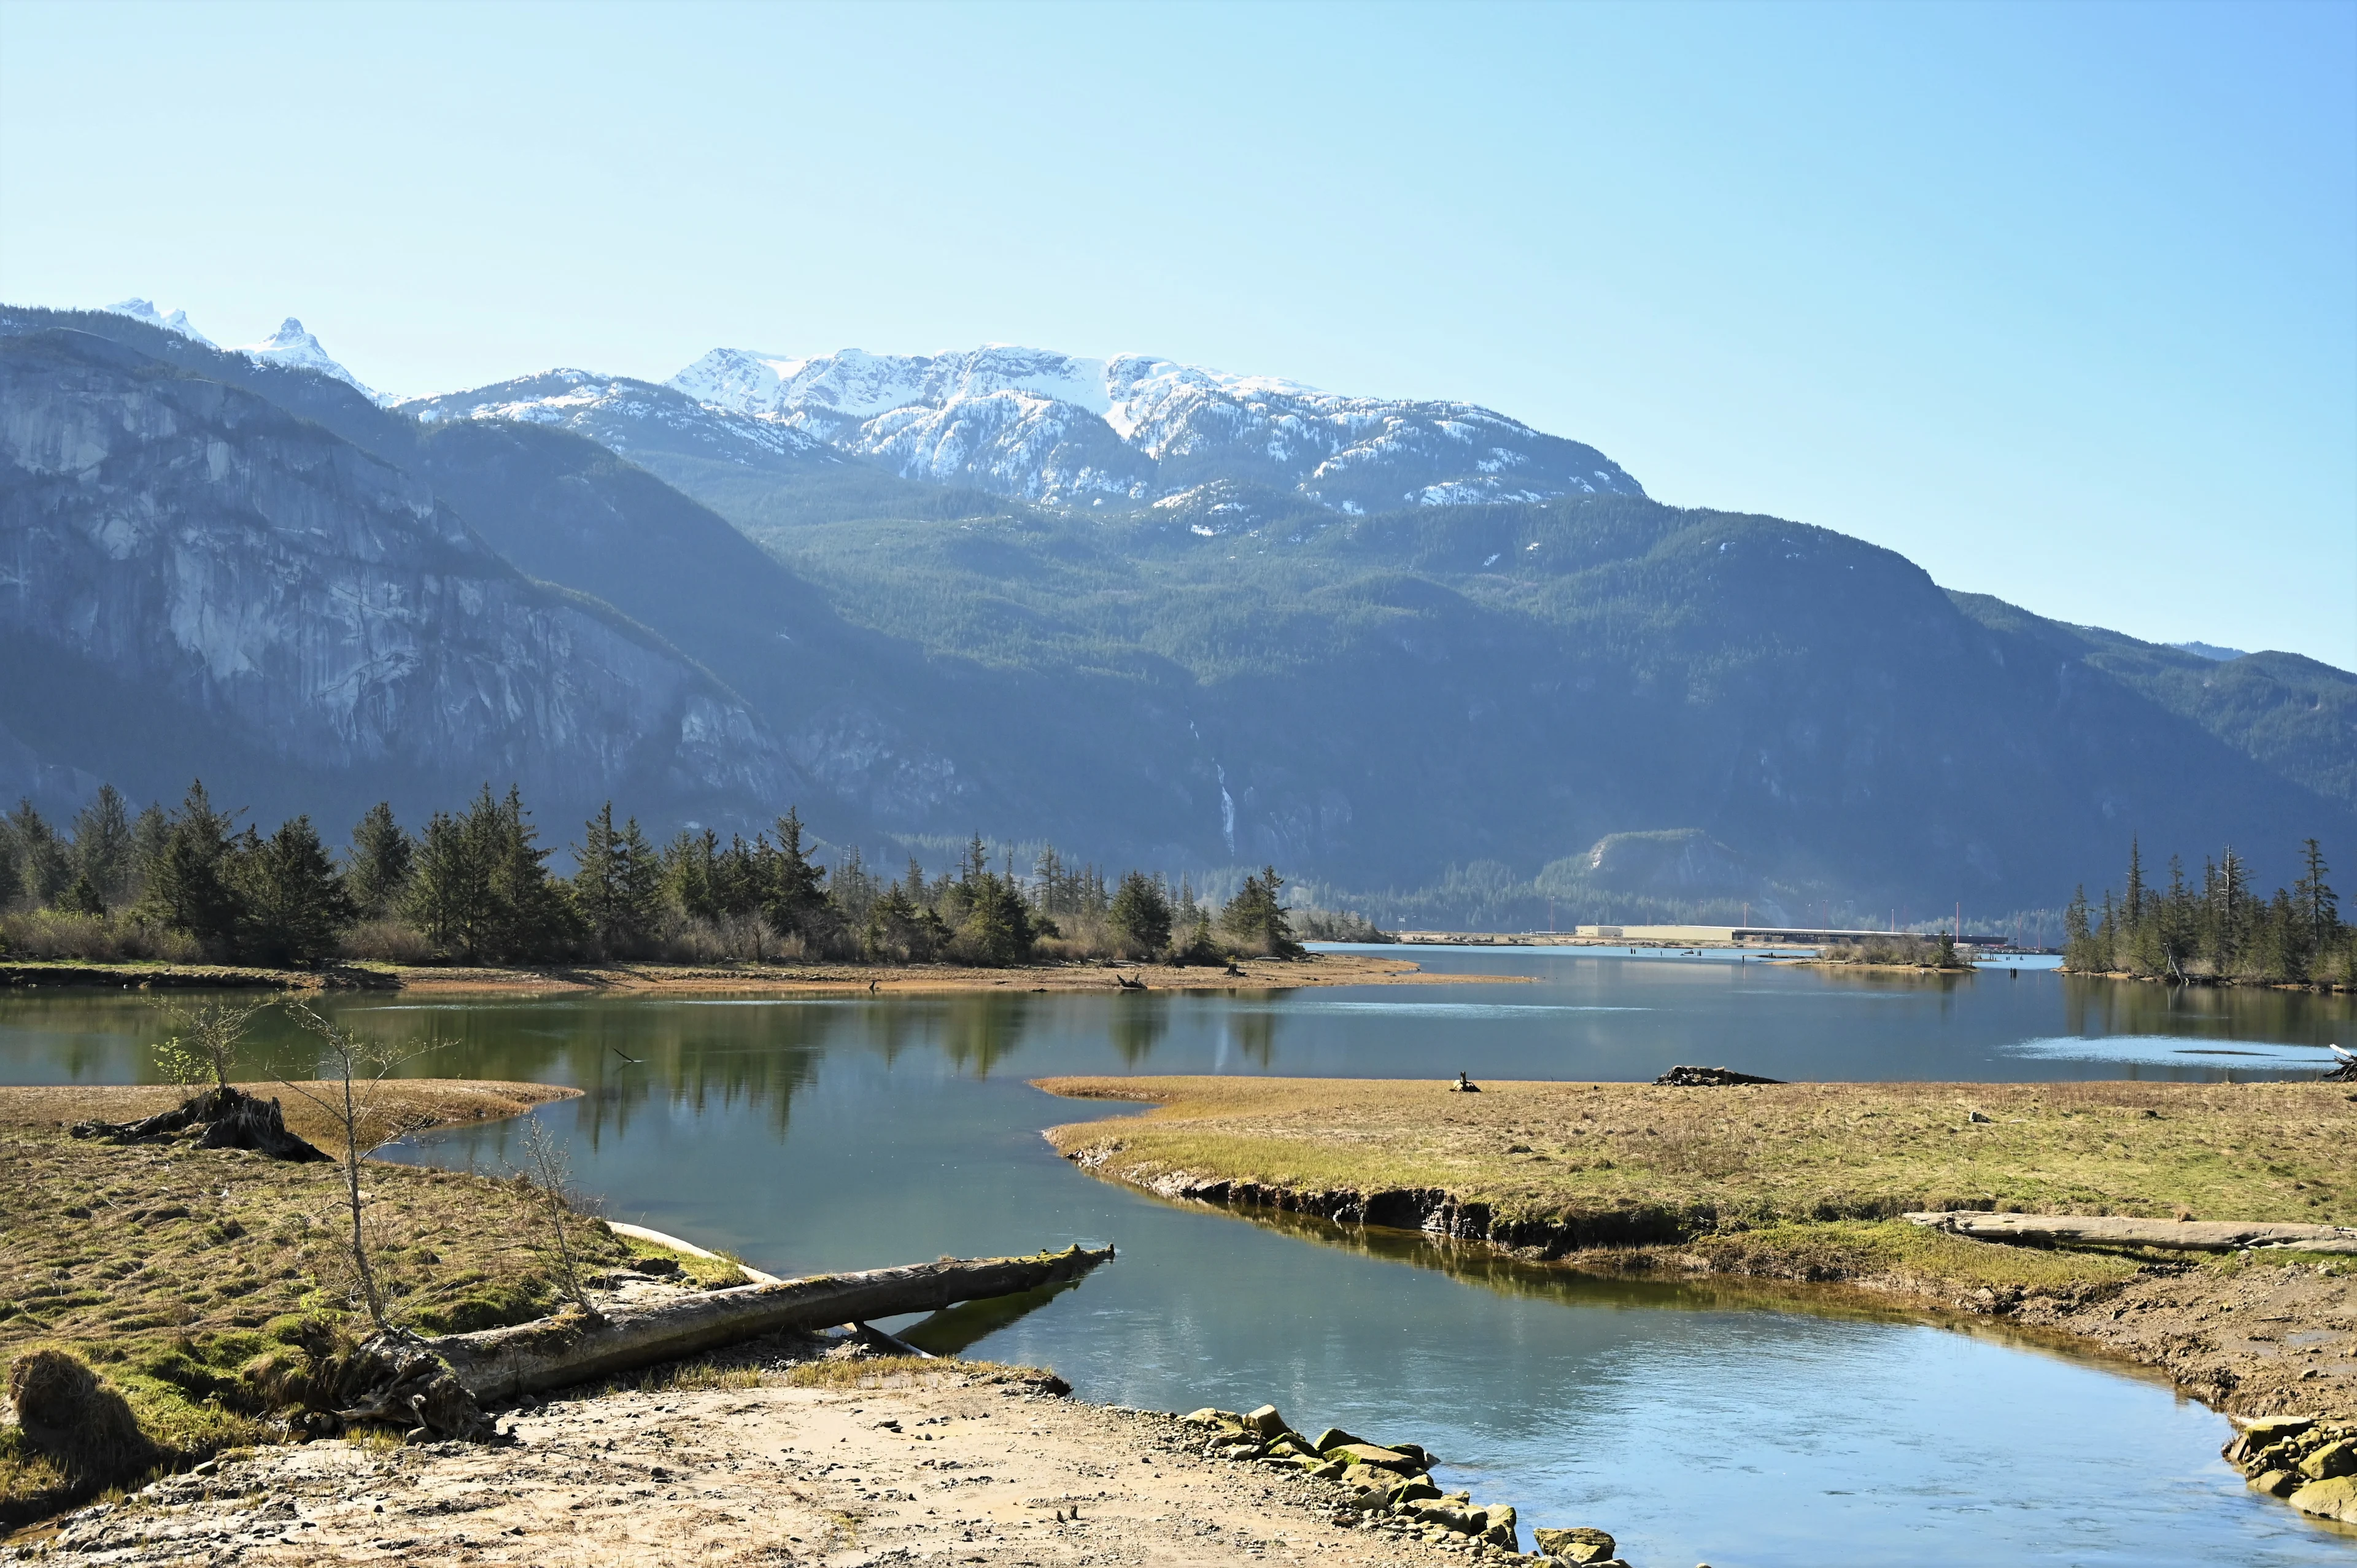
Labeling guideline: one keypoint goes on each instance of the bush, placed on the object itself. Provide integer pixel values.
(55, 934)
(388, 941)
(1342, 926)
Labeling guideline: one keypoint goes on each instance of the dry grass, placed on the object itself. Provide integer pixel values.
(173, 1270)
(1753, 1156)
(902, 1371)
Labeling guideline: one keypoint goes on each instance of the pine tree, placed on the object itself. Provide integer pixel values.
(688, 874)
(1141, 914)
(450, 895)
(43, 861)
(2080, 949)
(797, 901)
(295, 910)
(2133, 900)
(2318, 907)
(102, 848)
(533, 915)
(192, 886)
(1255, 915)
(601, 889)
(382, 860)
(149, 834)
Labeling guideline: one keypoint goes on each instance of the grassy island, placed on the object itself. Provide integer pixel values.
(1806, 1182)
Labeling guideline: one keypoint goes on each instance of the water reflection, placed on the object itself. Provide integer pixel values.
(1701, 1422)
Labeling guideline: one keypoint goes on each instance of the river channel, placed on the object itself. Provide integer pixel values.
(1730, 1426)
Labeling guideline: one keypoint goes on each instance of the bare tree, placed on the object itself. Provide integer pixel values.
(205, 1038)
(351, 1093)
(548, 1173)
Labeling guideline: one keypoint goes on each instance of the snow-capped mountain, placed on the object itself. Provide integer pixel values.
(637, 419)
(145, 310)
(290, 345)
(1062, 428)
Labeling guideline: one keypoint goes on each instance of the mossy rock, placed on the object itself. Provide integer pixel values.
(2334, 1499)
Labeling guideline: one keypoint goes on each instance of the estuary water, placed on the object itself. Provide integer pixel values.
(1698, 1423)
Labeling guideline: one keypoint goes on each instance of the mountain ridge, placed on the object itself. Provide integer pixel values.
(1468, 697)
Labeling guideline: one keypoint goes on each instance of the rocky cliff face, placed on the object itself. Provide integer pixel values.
(177, 554)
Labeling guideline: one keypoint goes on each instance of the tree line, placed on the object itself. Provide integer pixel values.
(2222, 928)
(474, 886)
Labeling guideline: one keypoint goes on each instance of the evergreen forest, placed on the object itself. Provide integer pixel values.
(2221, 930)
(474, 886)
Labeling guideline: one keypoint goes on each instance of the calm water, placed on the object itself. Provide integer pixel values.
(1699, 1423)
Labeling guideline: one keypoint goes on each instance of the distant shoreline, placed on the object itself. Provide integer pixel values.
(847, 979)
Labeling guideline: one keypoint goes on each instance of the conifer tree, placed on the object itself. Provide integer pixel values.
(192, 888)
(533, 918)
(1255, 916)
(149, 833)
(382, 859)
(602, 885)
(295, 910)
(102, 848)
(44, 862)
(796, 901)
(1141, 914)
(688, 874)
(449, 896)
(2319, 908)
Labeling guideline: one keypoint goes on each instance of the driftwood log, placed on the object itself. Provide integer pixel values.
(555, 1352)
(217, 1119)
(2113, 1230)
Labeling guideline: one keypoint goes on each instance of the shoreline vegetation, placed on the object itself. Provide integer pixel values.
(2223, 932)
(473, 888)
(1309, 969)
(1808, 1184)
(1935, 955)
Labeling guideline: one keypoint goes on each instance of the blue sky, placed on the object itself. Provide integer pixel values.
(2061, 302)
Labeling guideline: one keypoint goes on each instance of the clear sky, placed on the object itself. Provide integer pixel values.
(2059, 301)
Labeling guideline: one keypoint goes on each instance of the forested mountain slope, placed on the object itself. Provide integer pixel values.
(1596, 696)
(1515, 683)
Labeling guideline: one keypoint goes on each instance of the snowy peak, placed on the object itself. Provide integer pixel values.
(861, 385)
(637, 419)
(292, 346)
(1071, 430)
(145, 310)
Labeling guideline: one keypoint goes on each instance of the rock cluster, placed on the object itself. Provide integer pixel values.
(2311, 1465)
(1389, 1487)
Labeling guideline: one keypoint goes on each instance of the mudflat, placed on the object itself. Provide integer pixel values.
(947, 1462)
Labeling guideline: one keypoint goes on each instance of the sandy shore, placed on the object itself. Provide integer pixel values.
(950, 1465)
(1253, 974)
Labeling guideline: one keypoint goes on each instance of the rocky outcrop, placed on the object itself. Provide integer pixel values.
(200, 578)
(1388, 1487)
(2311, 1465)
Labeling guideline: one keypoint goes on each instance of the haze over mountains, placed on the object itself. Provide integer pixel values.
(1434, 662)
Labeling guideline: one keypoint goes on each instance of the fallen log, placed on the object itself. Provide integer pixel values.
(555, 1352)
(2114, 1230)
